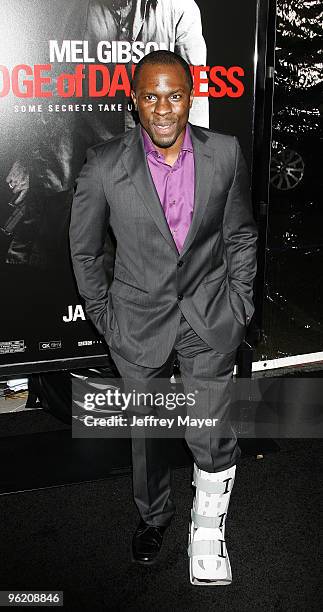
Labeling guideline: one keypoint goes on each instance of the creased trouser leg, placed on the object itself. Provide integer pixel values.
(152, 480)
(208, 374)
(150, 467)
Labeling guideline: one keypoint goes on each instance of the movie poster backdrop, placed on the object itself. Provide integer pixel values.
(65, 74)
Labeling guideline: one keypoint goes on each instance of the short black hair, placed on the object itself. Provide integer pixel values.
(162, 57)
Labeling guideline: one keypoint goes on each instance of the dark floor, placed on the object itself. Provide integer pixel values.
(76, 538)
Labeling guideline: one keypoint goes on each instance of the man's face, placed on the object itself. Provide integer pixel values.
(163, 100)
(120, 3)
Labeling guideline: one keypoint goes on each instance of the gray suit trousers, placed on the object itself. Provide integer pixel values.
(202, 369)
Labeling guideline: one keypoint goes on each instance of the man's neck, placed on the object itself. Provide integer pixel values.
(171, 153)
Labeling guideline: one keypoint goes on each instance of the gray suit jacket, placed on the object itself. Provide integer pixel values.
(210, 281)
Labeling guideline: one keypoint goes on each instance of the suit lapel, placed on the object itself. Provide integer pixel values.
(204, 169)
(135, 163)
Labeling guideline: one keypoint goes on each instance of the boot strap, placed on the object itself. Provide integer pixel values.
(207, 547)
(212, 487)
(200, 520)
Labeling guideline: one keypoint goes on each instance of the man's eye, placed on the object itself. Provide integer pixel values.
(150, 97)
(176, 96)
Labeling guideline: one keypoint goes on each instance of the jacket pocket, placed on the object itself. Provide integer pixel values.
(123, 289)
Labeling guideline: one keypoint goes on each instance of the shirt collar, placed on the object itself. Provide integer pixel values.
(150, 147)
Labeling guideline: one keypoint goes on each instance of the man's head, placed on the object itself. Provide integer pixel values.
(116, 4)
(162, 92)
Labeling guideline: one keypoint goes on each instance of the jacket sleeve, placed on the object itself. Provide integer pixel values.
(88, 234)
(240, 234)
(190, 44)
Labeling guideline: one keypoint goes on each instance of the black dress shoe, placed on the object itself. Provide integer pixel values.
(146, 543)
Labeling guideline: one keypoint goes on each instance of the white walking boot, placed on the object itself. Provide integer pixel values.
(209, 561)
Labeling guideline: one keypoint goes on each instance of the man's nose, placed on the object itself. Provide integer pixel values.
(163, 106)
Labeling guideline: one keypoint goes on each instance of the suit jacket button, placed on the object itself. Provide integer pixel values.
(180, 263)
(179, 297)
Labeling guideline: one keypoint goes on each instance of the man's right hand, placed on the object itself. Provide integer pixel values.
(18, 181)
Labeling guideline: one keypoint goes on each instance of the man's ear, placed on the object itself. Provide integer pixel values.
(134, 99)
(191, 97)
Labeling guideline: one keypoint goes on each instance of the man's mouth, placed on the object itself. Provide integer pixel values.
(163, 128)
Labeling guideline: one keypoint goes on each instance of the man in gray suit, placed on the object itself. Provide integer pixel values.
(177, 200)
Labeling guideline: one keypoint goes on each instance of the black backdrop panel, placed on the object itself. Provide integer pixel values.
(48, 121)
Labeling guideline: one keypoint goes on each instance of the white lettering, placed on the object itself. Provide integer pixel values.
(57, 54)
(107, 52)
(74, 314)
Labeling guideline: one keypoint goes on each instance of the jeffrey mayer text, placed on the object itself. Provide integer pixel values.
(147, 421)
(181, 422)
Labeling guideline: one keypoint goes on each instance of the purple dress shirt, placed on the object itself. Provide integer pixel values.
(174, 185)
